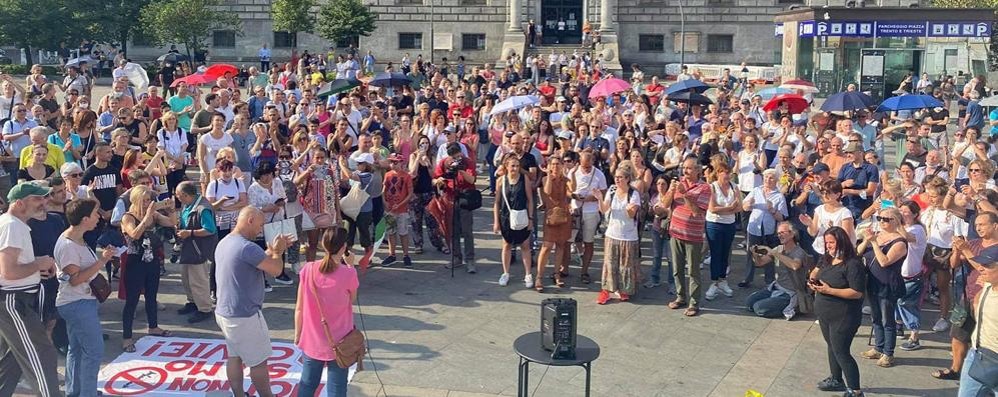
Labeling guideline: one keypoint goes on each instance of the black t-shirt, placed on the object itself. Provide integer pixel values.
(105, 184)
(44, 233)
(22, 173)
(167, 72)
(937, 116)
(527, 161)
(915, 160)
(849, 274)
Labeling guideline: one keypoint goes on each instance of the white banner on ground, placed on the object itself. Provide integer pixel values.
(194, 367)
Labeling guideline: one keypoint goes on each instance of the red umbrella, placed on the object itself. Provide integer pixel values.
(194, 79)
(796, 103)
(220, 69)
(608, 87)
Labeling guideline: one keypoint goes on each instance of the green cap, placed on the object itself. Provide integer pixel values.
(25, 189)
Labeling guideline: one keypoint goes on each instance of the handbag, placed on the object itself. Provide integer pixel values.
(276, 228)
(985, 366)
(306, 222)
(354, 199)
(470, 199)
(959, 313)
(100, 288)
(557, 216)
(352, 348)
(518, 219)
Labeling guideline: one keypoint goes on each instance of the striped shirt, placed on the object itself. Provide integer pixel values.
(685, 225)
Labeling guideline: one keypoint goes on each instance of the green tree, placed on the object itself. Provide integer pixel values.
(343, 19)
(989, 4)
(113, 21)
(293, 16)
(36, 24)
(187, 22)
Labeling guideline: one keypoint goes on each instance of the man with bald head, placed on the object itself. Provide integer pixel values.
(240, 265)
(837, 158)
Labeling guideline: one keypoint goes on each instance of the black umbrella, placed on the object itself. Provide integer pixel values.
(690, 97)
(172, 57)
(337, 86)
(385, 79)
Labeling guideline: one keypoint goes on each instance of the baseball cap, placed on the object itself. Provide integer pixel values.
(853, 147)
(26, 189)
(364, 158)
(561, 99)
(564, 134)
(819, 168)
(988, 257)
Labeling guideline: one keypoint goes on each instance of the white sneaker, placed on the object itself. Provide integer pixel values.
(711, 292)
(504, 279)
(941, 325)
(867, 310)
(528, 281)
(725, 289)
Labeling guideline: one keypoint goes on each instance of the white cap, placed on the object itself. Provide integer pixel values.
(364, 158)
(564, 134)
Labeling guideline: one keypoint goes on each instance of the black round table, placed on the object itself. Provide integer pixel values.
(528, 347)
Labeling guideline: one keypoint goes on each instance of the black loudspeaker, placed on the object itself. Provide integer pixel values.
(558, 327)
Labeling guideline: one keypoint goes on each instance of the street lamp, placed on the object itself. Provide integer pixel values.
(431, 30)
(682, 37)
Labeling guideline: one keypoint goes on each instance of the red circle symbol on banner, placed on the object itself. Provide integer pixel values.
(135, 381)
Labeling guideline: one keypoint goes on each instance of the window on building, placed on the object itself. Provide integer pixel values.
(720, 2)
(474, 2)
(285, 40)
(720, 43)
(223, 39)
(473, 41)
(411, 2)
(651, 43)
(789, 1)
(692, 42)
(410, 41)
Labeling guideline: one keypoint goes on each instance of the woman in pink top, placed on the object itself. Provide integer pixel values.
(328, 289)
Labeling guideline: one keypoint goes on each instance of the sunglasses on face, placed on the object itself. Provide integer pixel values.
(975, 170)
(885, 219)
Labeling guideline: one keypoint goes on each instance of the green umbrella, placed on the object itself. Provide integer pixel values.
(337, 86)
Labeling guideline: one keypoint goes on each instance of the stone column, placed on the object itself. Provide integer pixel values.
(606, 8)
(515, 16)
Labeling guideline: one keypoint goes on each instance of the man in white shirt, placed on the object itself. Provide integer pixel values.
(589, 183)
(264, 55)
(25, 348)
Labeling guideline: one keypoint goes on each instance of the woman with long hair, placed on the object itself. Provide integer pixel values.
(544, 141)
(909, 305)
(120, 146)
(77, 306)
(941, 226)
(839, 282)
(885, 251)
(557, 222)
(85, 126)
(318, 184)
(517, 196)
(660, 234)
(421, 168)
(141, 228)
(37, 169)
(467, 134)
(135, 160)
(404, 139)
(620, 263)
(173, 140)
(325, 304)
(909, 186)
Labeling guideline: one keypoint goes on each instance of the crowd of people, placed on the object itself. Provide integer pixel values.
(202, 177)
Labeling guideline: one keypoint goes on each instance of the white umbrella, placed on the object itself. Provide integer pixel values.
(137, 75)
(76, 61)
(514, 103)
(990, 101)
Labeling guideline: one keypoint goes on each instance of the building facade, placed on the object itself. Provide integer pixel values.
(641, 31)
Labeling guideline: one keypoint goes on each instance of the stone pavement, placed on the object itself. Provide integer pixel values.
(433, 335)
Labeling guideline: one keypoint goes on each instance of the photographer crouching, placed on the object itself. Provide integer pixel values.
(455, 176)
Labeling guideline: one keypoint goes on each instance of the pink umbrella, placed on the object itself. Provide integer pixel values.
(608, 87)
(194, 79)
(220, 69)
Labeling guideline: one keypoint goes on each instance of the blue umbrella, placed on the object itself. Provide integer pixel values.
(514, 103)
(769, 93)
(909, 102)
(385, 79)
(693, 85)
(847, 101)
